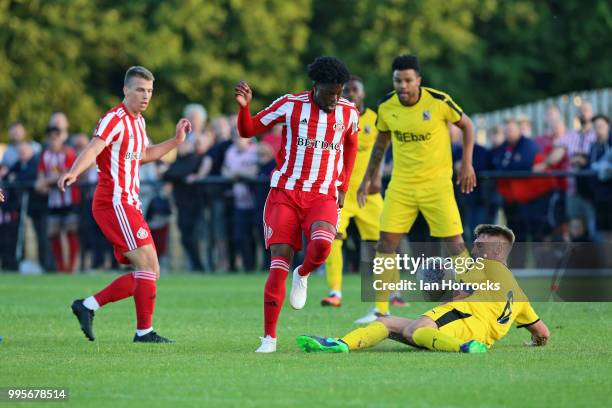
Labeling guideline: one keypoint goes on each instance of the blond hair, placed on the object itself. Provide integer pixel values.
(495, 229)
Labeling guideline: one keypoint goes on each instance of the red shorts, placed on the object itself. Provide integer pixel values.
(124, 226)
(288, 213)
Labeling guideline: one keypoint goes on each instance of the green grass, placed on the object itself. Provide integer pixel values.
(217, 320)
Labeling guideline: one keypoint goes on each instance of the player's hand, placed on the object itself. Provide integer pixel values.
(243, 94)
(375, 186)
(1, 196)
(467, 178)
(341, 197)
(362, 192)
(66, 180)
(182, 128)
(536, 341)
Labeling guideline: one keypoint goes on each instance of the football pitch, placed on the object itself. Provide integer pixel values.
(216, 321)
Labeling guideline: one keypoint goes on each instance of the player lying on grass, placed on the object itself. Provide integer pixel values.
(470, 323)
(119, 146)
(308, 186)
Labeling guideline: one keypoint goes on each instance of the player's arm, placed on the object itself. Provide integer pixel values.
(378, 153)
(1, 196)
(247, 125)
(467, 176)
(349, 155)
(84, 161)
(539, 334)
(156, 152)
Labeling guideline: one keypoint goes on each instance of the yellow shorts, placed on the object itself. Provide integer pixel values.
(436, 202)
(367, 218)
(456, 319)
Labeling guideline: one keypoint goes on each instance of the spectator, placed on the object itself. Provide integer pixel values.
(59, 120)
(477, 206)
(95, 248)
(16, 134)
(189, 209)
(525, 201)
(241, 162)
(219, 256)
(55, 160)
(158, 217)
(576, 147)
(197, 115)
(496, 137)
(600, 160)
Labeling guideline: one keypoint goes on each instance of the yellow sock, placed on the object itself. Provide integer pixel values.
(333, 266)
(388, 275)
(365, 337)
(433, 339)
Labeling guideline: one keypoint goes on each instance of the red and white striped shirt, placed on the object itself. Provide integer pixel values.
(119, 163)
(311, 157)
(53, 164)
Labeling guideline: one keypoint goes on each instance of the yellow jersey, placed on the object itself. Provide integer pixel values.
(497, 309)
(367, 137)
(420, 138)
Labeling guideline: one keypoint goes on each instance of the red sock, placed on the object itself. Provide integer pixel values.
(58, 255)
(73, 250)
(145, 289)
(120, 288)
(274, 293)
(317, 250)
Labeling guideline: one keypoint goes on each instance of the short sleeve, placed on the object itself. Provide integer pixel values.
(381, 125)
(275, 113)
(108, 128)
(450, 110)
(527, 316)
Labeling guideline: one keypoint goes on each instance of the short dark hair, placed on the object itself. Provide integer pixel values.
(495, 229)
(328, 70)
(602, 117)
(356, 78)
(137, 71)
(403, 62)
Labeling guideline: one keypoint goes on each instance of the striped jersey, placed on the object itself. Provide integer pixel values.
(119, 163)
(311, 154)
(54, 164)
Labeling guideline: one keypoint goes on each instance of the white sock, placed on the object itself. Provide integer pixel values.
(91, 303)
(336, 293)
(141, 333)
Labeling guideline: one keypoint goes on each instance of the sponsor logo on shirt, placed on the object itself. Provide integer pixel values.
(133, 155)
(317, 144)
(406, 137)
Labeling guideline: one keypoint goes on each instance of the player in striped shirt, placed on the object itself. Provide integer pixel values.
(120, 144)
(314, 165)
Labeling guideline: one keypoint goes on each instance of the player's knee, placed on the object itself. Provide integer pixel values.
(387, 243)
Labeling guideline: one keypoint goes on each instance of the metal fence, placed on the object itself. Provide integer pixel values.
(568, 104)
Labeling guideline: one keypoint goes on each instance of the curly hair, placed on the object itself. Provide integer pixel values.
(403, 62)
(328, 70)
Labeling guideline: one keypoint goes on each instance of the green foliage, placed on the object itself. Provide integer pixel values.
(71, 54)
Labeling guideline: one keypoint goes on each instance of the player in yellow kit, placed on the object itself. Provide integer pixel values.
(367, 218)
(415, 120)
(471, 323)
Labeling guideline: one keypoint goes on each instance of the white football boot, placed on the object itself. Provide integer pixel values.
(370, 317)
(268, 345)
(299, 286)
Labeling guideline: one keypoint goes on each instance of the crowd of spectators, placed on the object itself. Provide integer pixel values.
(213, 189)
